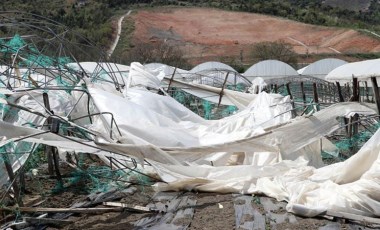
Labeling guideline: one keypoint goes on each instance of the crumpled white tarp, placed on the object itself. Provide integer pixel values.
(257, 150)
(60, 102)
(212, 94)
(139, 76)
(352, 186)
(163, 122)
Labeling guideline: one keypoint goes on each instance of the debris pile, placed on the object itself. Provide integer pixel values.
(102, 127)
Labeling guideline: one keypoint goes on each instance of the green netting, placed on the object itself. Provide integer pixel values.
(203, 107)
(349, 146)
(229, 110)
(97, 178)
(238, 87)
(13, 45)
(207, 108)
(179, 96)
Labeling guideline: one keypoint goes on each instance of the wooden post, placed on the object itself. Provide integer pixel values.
(171, 79)
(341, 99)
(294, 114)
(353, 130)
(48, 149)
(366, 91)
(315, 93)
(347, 86)
(376, 93)
(355, 95)
(55, 129)
(221, 92)
(51, 153)
(303, 93)
(323, 90)
(11, 176)
(330, 93)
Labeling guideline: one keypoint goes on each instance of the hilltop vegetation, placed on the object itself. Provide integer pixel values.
(93, 18)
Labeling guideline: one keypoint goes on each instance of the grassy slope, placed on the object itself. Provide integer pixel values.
(94, 19)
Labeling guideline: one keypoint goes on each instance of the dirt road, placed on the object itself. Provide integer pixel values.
(114, 44)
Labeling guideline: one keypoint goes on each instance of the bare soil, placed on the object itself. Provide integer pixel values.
(211, 33)
(212, 210)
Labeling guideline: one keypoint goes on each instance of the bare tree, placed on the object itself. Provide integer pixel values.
(278, 50)
(159, 51)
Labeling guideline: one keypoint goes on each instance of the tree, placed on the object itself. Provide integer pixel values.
(278, 50)
(159, 51)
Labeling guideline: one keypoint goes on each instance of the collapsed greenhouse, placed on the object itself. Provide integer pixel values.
(311, 141)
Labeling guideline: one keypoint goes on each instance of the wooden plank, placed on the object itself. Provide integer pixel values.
(135, 208)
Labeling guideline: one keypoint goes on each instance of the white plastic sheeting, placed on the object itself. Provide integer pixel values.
(212, 65)
(60, 102)
(257, 150)
(213, 94)
(139, 76)
(103, 70)
(172, 125)
(362, 70)
(351, 186)
(270, 69)
(168, 70)
(321, 68)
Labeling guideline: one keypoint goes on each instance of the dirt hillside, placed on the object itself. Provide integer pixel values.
(210, 33)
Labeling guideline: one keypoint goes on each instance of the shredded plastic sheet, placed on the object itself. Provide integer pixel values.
(172, 125)
(352, 186)
(213, 94)
(257, 150)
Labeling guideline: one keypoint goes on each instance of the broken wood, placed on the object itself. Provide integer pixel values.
(171, 79)
(221, 92)
(135, 208)
(63, 210)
